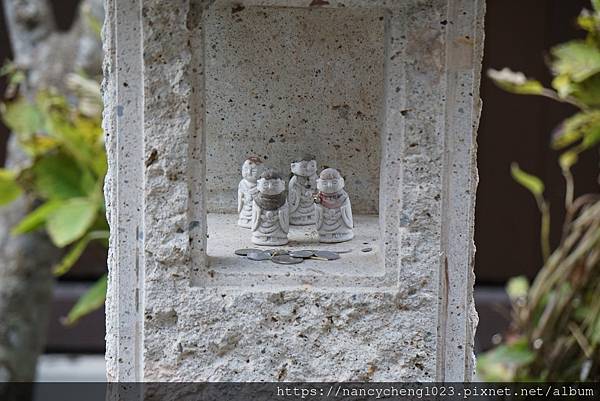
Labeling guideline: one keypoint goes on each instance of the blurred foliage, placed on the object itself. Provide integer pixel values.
(555, 330)
(63, 139)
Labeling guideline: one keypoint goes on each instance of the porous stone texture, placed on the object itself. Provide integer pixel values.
(281, 82)
(170, 129)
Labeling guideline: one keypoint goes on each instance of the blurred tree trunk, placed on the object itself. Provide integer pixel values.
(46, 56)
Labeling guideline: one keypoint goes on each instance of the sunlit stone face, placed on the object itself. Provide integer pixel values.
(305, 168)
(330, 181)
(250, 171)
(271, 186)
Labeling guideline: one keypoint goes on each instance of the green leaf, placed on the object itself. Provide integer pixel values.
(9, 189)
(500, 363)
(586, 21)
(517, 287)
(37, 145)
(36, 218)
(587, 92)
(568, 159)
(59, 177)
(71, 257)
(515, 82)
(591, 138)
(22, 117)
(531, 87)
(577, 59)
(563, 85)
(531, 182)
(596, 5)
(76, 251)
(582, 126)
(71, 220)
(493, 372)
(90, 301)
(79, 136)
(92, 136)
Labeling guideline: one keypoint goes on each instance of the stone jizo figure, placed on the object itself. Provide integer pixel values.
(247, 190)
(334, 212)
(270, 211)
(302, 188)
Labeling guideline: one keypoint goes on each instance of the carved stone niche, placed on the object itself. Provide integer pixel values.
(386, 91)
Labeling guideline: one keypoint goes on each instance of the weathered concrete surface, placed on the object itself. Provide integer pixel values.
(171, 317)
(281, 82)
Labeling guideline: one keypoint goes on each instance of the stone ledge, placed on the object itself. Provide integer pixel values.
(225, 237)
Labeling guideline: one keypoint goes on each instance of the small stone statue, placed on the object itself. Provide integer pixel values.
(247, 190)
(302, 188)
(270, 211)
(334, 212)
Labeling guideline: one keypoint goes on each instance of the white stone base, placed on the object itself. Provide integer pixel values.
(333, 238)
(224, 237)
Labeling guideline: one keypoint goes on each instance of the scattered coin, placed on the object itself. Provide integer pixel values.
(259, 255)
(286, 260)
(286, 257)
(368, 249)
(301, 254)
(245, 251)
(275, 252)
(327, 255)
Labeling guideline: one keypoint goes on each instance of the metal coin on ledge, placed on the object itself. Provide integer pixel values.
(275, 252)
(327, 255)
(245, 251)
(301, 254)
(259, 255)
(286, 260)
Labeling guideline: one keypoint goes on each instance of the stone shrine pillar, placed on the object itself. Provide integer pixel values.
(386, 91)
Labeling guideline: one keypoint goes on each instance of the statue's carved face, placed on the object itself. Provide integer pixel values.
(330, 185)
(304, 168)
(250, 171)
(271, 187)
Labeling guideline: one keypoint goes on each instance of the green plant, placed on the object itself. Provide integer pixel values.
(67, 163)
(555, 332)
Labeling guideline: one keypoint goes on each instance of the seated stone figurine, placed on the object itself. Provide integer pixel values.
(270, 211)
(247, 190)
(334, 212)
(302, 188)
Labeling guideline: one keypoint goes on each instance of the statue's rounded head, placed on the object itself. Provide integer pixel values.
(250, 168)
(330, 181)
(305, 166)
(271, 183)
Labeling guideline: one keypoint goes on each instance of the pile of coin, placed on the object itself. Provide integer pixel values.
(285, 257)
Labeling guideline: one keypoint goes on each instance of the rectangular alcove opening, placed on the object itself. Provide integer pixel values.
(279, 83)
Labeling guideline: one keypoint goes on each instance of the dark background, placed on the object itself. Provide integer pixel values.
(512, 128)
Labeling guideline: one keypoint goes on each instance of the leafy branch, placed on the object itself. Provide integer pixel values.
(555, 331)
(67, 164)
